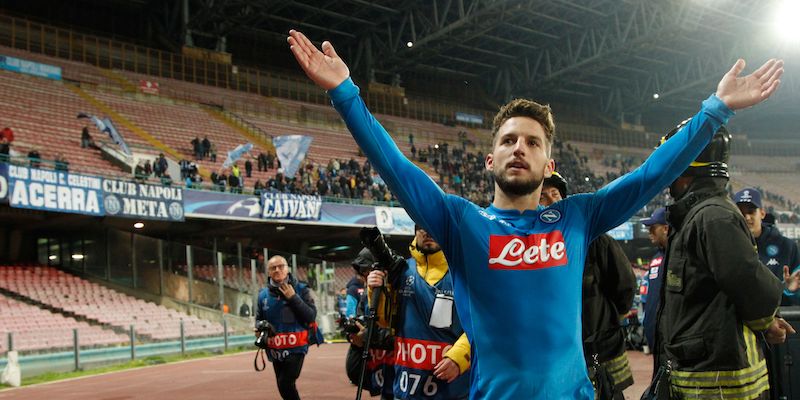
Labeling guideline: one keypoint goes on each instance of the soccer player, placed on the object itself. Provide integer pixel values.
(518, 267)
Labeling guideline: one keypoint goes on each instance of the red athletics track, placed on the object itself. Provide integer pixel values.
(232, 377)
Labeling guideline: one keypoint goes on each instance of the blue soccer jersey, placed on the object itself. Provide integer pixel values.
(518, 275)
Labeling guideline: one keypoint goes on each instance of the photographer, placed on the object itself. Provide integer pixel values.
(379, 366)
(431, 350)
(288, 309)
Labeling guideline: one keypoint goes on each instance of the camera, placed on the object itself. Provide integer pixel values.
(387, 259)
(265, 331)
(349, 326)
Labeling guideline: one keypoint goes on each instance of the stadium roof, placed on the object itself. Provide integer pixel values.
(613, 53)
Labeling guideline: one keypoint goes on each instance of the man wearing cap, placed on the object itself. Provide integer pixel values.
(609, 286)
(659, 229)
(777, 252)
(717, 298)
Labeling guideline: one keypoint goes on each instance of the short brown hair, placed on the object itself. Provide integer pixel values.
(526, 108)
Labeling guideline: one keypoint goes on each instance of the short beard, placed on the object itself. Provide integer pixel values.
(519, 188)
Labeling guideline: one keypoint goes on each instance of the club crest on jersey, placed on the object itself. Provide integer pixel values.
(536, 251)
(772, 250)
(550, 216)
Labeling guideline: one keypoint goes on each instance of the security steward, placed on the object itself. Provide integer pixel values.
(609, 286)
(717, 298)
(777, 252)
(289, 308)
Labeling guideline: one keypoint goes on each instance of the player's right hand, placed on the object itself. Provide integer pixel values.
(324, 67)
(375, 279)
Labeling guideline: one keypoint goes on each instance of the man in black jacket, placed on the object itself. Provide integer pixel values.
(777, 252)
(717, 297)
(609, 286)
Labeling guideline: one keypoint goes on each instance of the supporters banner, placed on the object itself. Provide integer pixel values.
(622, 232)
(291, 150)
(141, 201)
(59, 191)
(30, 67)
(3, 183)
(290, 206)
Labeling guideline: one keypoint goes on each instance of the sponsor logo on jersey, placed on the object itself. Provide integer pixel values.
(419, 354)
(536, 251)
(772, 261)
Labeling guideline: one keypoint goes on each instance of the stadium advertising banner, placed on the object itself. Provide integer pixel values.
(136, 200)
(221, 205)
(469, 118)
(30, 67)
(59, 191)
(791, 231)
(3, 183)
(290, 206)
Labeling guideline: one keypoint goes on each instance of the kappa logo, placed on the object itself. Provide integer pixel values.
(536, 251)
(486, 215)
(550, 216)
(772, 261)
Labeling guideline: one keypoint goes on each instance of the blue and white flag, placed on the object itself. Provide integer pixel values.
(236, 154)
(291, 151)
(105, 125)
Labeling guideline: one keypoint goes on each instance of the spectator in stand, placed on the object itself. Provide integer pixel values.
(258, 187)
(248, 168)
(270, 160)
(206, 146)
(6, 137)
(162, 164)
(148, 169)
(234, 182)
(262, 161)
(138, 172)
(35, 158)
(213, 151)
(166, 180)
(222, 180)
(197, 148)
(61, 163)
(86, 138)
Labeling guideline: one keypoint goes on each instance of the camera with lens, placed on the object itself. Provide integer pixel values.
(386, 259)
(349, 326)
(265, 331)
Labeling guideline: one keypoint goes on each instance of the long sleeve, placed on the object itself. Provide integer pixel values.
(616, 202)
(460, 353)
(421, 197)
(730, 253)
(302, 304)
(261, 313)
(618, 281)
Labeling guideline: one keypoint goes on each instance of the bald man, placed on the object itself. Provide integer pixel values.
(287, 306)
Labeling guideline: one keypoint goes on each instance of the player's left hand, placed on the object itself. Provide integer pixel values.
(287, 290)
(791, 281)
(739, 92)
(446, 370)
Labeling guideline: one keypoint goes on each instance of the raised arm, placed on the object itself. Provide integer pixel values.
(420, 196)
(619, 200)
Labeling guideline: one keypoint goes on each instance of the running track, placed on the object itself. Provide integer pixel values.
(232, 377)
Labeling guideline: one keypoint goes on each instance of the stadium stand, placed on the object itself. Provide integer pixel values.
(37, 329)
(72, 295)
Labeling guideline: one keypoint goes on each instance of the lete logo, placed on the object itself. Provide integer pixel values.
(536, 251)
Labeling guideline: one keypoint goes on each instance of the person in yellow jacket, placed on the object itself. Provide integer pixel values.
(431, 351)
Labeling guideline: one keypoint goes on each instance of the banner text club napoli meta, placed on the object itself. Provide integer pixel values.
(535, 251)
